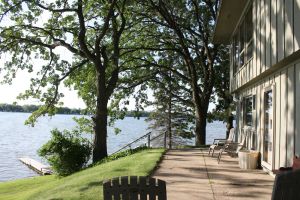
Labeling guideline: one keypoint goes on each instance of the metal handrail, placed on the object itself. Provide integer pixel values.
(140, 138)
(128, 145)
(158, 136)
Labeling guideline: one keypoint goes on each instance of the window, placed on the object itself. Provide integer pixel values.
(242, 42)
(249, 35)
(248, 111)
(235, 53)
(249, 119)
(254, 102)
(249, 106)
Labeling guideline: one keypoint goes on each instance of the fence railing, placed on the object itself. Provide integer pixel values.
(150, 142)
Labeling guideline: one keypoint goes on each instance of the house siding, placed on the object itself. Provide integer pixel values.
(276, 36)
(297, 109)
(273, 27)
(296, 24)
(285, 84)
(280, 30)
(275, 65)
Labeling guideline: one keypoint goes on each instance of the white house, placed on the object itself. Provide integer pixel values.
(264, 36)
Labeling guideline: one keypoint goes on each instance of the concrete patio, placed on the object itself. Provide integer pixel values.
(191, 174)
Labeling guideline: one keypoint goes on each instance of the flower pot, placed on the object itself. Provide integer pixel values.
(248, 159)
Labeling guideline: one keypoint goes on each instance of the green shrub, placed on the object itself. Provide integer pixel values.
(66, 152)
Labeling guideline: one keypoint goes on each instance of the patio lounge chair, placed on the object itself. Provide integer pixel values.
(135, 188)
(219, 143)
(286, 186)
(232, 148)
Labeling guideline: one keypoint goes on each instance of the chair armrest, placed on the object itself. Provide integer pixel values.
(219, 140)
(232, 144)
(285, 168)
(282, 170)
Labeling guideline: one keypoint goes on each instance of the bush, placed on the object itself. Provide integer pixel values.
(67, 152)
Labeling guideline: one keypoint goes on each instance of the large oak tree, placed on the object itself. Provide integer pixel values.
(91, 31)
(186, 28)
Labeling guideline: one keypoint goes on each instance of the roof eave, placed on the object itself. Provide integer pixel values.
(228, 17)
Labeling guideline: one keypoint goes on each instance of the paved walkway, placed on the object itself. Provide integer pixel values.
(192, 175)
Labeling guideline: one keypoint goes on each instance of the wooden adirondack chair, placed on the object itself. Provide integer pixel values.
(295, 166)
(286, 185)
(134, 188)
(232, 148)
(219, 143)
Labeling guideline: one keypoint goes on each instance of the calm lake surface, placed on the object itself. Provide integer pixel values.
(18, 140)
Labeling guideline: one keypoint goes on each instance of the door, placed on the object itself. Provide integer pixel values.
(268, 129)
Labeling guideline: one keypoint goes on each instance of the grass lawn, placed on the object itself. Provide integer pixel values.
(83, 185)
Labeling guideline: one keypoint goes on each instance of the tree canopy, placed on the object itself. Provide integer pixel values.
(185, 28)
(115, 49)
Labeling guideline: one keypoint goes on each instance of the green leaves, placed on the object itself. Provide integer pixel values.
(42, 111)
(116, 50)
(84, 125)
(67, 152)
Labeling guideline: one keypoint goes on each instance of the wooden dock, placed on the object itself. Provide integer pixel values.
(36, 166)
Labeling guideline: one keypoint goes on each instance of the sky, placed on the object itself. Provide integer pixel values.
(21, 83)
(8, 93)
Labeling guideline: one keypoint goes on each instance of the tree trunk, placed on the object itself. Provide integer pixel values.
(100, 129)
(170, 121)
(100, 120)
(200, 128)
(170, 110)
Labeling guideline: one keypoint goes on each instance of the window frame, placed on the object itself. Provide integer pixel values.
(240, 56)
(252, 111)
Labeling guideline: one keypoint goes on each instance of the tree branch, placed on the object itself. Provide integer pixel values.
(81, 35)
(54, 10)
(72, 70)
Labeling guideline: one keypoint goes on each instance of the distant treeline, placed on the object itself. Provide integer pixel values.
(60, 110)
(137, 114)
(31, 108)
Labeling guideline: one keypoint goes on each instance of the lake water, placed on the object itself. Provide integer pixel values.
(18, 140)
